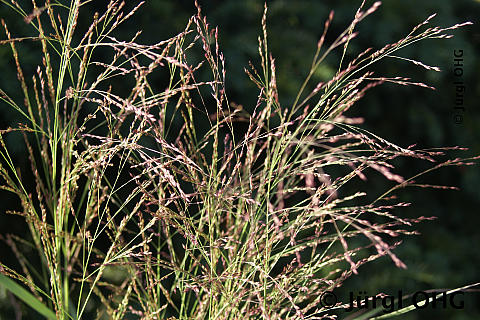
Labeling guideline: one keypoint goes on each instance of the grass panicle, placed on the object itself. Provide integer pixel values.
(140, 212)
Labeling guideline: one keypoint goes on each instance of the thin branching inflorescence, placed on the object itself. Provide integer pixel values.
(140, 213)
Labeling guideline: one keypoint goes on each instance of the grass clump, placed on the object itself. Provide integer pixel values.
(152, 202)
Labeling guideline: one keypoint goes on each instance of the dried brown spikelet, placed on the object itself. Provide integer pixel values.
(35, 13)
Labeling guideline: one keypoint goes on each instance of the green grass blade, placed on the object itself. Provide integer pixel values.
(26, 297)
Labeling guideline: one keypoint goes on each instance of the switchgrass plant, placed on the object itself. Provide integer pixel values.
(152, 202)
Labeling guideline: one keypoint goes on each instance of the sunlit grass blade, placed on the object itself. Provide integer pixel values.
(26, 297)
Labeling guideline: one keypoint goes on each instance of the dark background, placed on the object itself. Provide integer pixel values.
(446, 254)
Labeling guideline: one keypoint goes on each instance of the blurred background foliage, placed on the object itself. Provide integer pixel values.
(446, 254)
